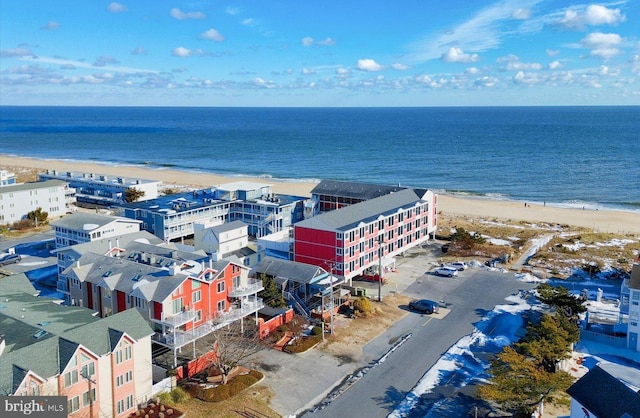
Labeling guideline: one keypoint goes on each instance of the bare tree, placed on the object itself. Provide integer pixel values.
(231, 346)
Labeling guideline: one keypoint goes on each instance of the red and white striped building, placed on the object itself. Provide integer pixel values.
(347, 241)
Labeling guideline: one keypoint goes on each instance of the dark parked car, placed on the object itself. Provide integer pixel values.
(424, 305)
(10, 259)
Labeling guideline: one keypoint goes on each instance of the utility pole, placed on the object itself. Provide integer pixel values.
(90, 382)
(380, 253)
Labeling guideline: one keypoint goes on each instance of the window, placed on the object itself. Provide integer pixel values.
(198, 316)
(127, 352)
(73, 404)
(118, 356)
(88, 370)
(177, 305)
(197, 296)
(120, 380)
(129, 401)
(195, 284)
(220, 286)
(86, 400)
(70, 378)
(128, 376)
(221, 305)
(121, 406)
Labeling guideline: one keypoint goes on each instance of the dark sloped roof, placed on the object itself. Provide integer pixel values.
(353, 190)
(349, 217)
(291, 270)
(605, 395)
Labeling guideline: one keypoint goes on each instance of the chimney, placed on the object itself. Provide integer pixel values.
(78, 264)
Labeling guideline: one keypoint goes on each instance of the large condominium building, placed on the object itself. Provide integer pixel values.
(349, 241)
(330, 195)
(17, 200)
(103, 190)
(102, 366)
(173, 217)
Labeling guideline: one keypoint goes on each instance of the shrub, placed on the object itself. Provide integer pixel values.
(303, 344)
(362, 305)
(224, 392)
(316, 330)
(179, 395)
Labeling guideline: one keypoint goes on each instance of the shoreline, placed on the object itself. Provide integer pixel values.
(599, 220)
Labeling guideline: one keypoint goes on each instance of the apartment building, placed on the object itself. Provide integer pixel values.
(350, 241)
(103, 190)
(101, 365)
(81, 227)
(17, 200)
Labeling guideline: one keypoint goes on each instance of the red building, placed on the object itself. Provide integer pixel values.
(347, 240)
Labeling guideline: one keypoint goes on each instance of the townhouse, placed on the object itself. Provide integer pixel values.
(102, 366)
(184, 296)
(356, 239)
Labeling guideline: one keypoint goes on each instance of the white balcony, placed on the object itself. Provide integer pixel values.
(249, 288)
(248, 307)
(179, 338)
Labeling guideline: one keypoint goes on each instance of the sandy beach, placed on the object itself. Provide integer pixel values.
(619, 222)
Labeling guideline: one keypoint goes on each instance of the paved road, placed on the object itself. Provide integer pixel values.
(469, 297)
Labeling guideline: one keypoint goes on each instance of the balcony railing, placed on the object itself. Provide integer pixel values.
(251, 287)
(179, 338)
(177, 319)
(247, 308)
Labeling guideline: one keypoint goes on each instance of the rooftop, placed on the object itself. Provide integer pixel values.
(32, 186)
(96, 178)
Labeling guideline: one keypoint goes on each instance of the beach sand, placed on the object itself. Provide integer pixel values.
(618, 222)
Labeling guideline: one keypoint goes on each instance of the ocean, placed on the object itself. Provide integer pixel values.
(562, 156)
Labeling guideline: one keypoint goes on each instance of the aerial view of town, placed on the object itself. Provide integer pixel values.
(281, 209)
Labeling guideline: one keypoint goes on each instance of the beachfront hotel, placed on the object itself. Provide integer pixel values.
(103, 190)
(350, 241)
(173, 217)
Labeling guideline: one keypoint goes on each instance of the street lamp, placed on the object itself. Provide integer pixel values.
(380, 252)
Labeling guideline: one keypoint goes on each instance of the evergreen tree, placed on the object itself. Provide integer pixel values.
(271, 295)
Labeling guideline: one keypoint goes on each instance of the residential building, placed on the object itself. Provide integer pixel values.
(350, 241)
(113, 245)
(229, 240)
(608, 390)
(330, 195)
(633, 342)
(81, 227)
(173, 217)
(101, 365)
(7, 178)
(103, 190)
(184, 296)
(17, 200)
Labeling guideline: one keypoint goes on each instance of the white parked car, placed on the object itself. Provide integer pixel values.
(458, 265)
(446, 272)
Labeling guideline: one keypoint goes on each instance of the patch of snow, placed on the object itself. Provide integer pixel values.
(529, 278)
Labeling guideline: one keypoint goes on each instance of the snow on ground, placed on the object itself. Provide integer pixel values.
(459, 363)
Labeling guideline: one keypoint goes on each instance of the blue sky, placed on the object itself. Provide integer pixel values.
(319, 53)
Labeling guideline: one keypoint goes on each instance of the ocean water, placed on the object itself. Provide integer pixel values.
(563, 156)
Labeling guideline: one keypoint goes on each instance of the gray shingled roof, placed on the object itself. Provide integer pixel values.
(605, 395)
(227, 226)
(80, 220)
(634, 281)
(32, 186)
(290, 270)
(349, 217)
(353, 190)
(22, 315)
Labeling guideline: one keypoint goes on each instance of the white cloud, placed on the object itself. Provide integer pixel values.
(116, 7)
(180, 15)
(368, 64)
(186, 52)
(212, 34)
(592, 15)
(602, 45)
(552, 52)
(342, 72)
(249, 21)
(16, 52)
(555, 65)
(486, 81)
(51, 25)
(521, 13)
(103, 61)
(139, 51)
(232, 10)
(472, 70)
(525, 78)
(457, 55)
(308, 71)
(308, 41)
(514, 63)
(483, 31)
(81, 64)
(400, 67)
